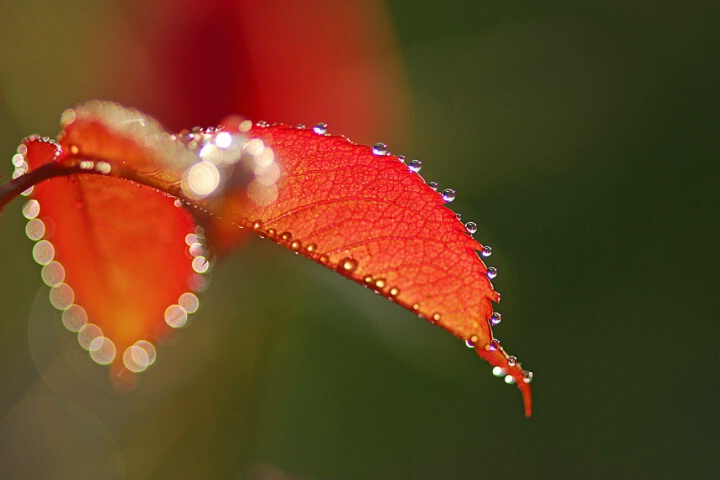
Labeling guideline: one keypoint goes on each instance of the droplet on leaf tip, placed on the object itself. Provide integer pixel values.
(471, 227)
(320, 128)
(379, 149)
(491, 273)
(415, 166)
(495, 318)
(486, 251)
(448, 195)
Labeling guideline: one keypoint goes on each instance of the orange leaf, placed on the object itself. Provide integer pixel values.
(357, 210)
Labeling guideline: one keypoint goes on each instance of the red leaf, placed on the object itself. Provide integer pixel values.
(354, 209)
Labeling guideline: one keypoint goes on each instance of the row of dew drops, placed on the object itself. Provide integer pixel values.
(139, 356)
(448, 195)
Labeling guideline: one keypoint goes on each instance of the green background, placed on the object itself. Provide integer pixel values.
(584, 139)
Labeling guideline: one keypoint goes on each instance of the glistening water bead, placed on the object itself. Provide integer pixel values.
(448, 195)
(495, 318)
(471, 227)
(320, 128)
(492, 273)
(379, 149)
(415, 166)
(486, 251)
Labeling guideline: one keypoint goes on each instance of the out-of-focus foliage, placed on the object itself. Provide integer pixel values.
(582, 138)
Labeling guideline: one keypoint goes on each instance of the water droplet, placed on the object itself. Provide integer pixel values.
(348, 264)
(368, 280)
(324, 259)
(295, 246)
(310, 247)
(200, 264)
(379, 149)
(448, 195)
(178, 203)
(176, 316)
(257, 225)
(31, 209)
(472, 341)
(433, 185)
(498, 371)
(189, 301)
(300, 126)
(495, 318)
(102, 350)
(271, 233)
(74, 149)
(512, 361)
(491, 273)
(380, 283)
(262, 123)
(415, 166)
(401, 158)
(394, 291)
(436, 317)
(458, 216)
(320, 128)
(509, 379)
(486, 251)
(471, 227)
(494, 345)
(286, 236)
(527, 376)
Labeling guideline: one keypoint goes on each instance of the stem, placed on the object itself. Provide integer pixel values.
(15, 187)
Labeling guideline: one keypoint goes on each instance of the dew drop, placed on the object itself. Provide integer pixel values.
(262, 123)
(527, 376)
(471, 227)
(102, 350)
(200, 264)
(394, 292)
(495, 318)
(368, 280)
(74, 149)
(43, 252)
(512, 361)
(498, 371)
(301, 126)
(416, 307)
(436, 317)
(458, 216)
(324, 259)
(448, 195)
(271, 233)
(257, 225)
(472, 341)
(320, 128)
(486, 251)
(35, 229)
(189, 302)
(348, 264)
(509, 379)
(401, 158)
(176, 316)
(380, 283)
(415, 166)
(494, 345)
(178, 203)
(74, 318)
(379, 149)
(62, 296)
(491, 273)
(295, 246)
(310, 247)
(31, 209)
(286, 236)
(433, 185)
(87, 334)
